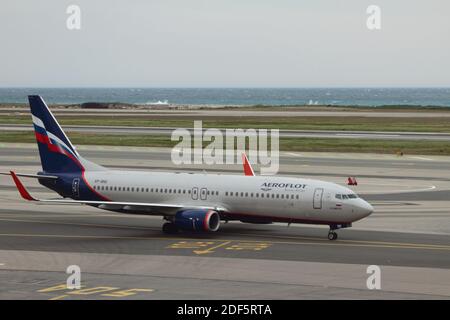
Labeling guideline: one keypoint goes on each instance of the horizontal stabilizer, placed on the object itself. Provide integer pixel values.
(35, 176)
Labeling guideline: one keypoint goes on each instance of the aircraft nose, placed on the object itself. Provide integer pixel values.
(365, 208)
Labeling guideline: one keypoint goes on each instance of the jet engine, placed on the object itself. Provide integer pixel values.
(197, 220)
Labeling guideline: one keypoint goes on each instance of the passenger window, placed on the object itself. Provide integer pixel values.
(296, 196)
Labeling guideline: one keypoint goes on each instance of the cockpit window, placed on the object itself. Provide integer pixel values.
(352, 196)
(338, 196)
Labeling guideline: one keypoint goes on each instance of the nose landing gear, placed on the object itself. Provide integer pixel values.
(332, 235)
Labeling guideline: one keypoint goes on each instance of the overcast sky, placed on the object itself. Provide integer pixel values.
(224, 43)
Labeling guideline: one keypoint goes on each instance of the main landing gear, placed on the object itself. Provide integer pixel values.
(169, 228)
(332, 235)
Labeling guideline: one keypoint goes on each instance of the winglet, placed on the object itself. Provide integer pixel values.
(22, 190)
(248, 170)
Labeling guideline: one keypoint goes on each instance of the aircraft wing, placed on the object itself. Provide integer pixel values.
(131, 207)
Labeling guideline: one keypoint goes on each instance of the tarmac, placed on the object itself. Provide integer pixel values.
(128, 257)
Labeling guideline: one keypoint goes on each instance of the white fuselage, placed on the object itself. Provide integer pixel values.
(256, 197)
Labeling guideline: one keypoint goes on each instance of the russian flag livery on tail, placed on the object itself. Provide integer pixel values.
(59, 156)
(188, 202)
(56, 150)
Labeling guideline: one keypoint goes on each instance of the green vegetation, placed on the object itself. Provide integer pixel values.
(286, 144)
(401, 124)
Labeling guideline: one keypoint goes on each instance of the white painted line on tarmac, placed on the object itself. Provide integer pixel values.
(421, 158)
(366, 135)
(294, 154)
(400, 191)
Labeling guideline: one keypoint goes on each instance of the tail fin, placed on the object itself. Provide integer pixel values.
(57, 153)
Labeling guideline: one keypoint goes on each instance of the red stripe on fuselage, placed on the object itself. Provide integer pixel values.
(92, 189)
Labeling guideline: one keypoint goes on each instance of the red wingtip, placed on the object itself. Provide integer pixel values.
(22, 190)
(248, 170)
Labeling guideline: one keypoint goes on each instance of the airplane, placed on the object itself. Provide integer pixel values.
(188, 202)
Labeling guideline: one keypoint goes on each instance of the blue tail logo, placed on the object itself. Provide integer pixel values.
(56, 151)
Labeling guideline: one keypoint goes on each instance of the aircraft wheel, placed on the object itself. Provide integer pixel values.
(169, 228)
(332, 236)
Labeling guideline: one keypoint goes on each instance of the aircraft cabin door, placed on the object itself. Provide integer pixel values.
(194, 193)
(203, 193)
(317, 200)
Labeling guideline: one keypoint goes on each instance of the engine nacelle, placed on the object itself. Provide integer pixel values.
(197, 220)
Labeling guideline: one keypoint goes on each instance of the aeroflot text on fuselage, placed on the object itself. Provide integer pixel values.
(266, 186)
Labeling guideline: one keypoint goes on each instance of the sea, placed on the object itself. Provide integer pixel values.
(238, 96)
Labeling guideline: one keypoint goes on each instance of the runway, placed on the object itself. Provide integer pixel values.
(408, 236)
(121, 130)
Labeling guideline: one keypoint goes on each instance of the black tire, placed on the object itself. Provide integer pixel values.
(332, 236)
(169, 228)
